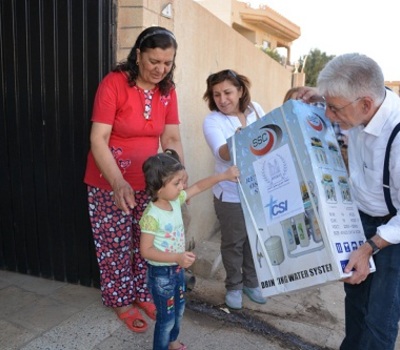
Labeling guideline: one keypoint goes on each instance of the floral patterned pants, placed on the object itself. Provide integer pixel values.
(117, 242)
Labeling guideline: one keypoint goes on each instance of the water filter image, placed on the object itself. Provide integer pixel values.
(312, 223)
(344, 190)
(294, 230)
(288, 235)
(319, 151)
(336, 155)
(301, 230)
(308, 225)
(329, 188)
(274, 248)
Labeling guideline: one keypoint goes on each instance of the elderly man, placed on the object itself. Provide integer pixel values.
(352, 87)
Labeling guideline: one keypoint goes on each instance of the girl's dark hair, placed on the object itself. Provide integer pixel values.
(150, 38)
(240, 81)
(158, 171)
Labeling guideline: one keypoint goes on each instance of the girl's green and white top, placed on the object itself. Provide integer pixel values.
(166, 226)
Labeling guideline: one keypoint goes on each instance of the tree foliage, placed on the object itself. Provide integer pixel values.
(274, 55)
(310, 64)
(313, 63)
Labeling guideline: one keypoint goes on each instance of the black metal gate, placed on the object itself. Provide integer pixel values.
(53, 53)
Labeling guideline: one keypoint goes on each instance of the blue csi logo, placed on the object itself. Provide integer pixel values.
(276, 208)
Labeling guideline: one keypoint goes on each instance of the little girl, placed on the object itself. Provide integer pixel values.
(162, 241)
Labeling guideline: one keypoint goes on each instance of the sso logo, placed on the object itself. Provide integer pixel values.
(315, 122)
(276, 208)
(269, 136)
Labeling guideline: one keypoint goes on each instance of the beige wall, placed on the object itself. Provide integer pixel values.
(205, 45)
(394, 85)
(219, 8)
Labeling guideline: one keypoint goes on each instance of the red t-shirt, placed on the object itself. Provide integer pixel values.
(133, 138)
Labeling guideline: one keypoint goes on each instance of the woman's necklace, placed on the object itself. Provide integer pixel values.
(243, 122)
(145, 101)
(236, 127)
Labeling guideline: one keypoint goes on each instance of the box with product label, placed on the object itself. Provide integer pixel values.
(300, 217)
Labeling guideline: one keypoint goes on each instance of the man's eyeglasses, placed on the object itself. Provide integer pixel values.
(336, 110)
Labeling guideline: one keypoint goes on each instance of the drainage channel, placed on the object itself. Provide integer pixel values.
(249, 322)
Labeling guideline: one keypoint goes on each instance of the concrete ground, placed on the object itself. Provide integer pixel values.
(37, 313)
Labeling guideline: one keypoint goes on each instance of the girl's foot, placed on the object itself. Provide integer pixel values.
(176, 345)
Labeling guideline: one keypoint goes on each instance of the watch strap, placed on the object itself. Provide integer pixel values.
(375, 248)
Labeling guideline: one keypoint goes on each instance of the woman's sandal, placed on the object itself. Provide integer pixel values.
(148, 307)
(130, 316)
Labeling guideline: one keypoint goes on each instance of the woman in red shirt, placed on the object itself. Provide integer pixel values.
(135, 111)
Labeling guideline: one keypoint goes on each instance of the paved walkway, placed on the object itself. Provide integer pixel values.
(40, 314)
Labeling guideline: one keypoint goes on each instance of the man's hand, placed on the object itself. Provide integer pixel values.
(359, 265)
(309, 95)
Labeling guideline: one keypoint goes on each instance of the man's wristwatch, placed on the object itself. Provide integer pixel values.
(375, 248)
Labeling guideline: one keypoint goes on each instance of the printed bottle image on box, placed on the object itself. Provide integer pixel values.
(300, 218)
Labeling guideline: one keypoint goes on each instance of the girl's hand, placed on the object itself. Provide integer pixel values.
(186, 259)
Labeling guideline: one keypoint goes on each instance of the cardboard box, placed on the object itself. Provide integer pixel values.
(300, 217)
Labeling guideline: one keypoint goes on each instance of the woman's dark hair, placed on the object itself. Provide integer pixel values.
(240, 81)
(289, 94)
(150, 38)
(158, 171)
